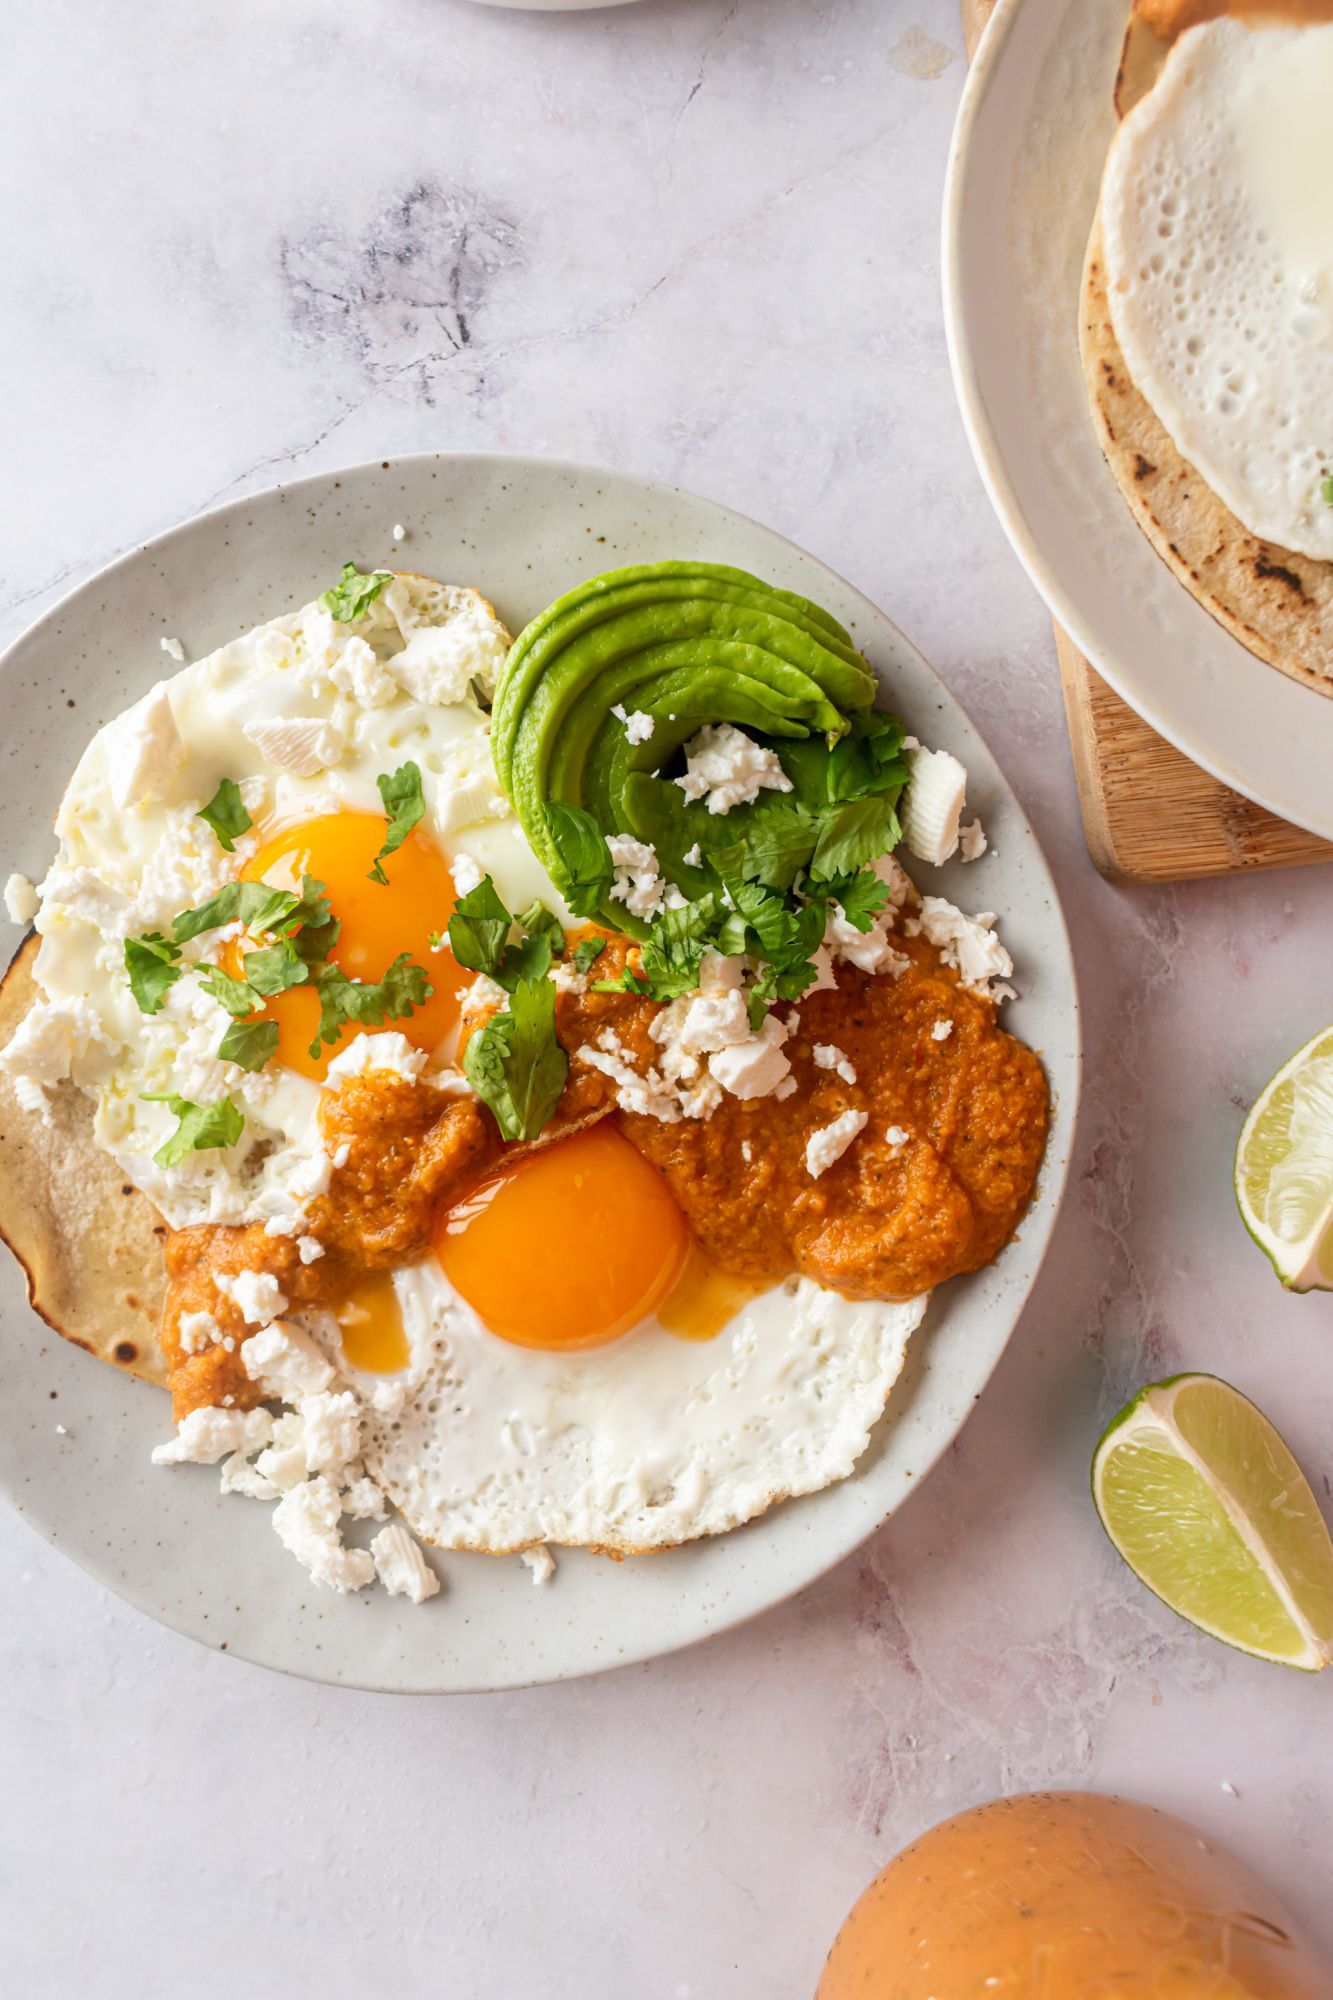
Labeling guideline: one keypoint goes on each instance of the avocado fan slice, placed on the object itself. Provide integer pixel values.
(687, 644)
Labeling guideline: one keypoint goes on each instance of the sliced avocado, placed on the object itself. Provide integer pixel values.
(687, 644)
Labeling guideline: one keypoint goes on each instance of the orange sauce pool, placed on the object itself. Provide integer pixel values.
(1069, 1896)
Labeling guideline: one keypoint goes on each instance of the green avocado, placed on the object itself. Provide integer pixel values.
(687, 643)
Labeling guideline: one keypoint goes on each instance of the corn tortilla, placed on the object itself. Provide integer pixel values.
(1277, 602)
(89, 1243)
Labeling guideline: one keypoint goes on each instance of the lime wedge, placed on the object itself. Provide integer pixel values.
(1209, 1508)
(1284, 1169)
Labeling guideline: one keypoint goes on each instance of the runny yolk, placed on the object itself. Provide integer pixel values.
(371, 1324)
(379, 921)
(569, 1247)
(704, 1298)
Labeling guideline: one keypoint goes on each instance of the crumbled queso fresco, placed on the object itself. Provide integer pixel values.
(306, 1459)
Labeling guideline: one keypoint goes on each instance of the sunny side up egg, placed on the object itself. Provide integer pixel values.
(304, 717)
(642, 1443)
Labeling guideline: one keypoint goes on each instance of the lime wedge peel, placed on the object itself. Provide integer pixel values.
(1205, 1502)
(1284, 1169)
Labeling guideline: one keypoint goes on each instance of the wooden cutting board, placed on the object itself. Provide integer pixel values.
(1149, 815)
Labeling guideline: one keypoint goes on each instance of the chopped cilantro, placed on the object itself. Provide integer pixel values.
(779, 841)
(627, 982)
(280, 912)
(399, 993)
(582, 866)
(275, 967)
(861, 897)
(353, 594)
(401, 793)
(586, 954)
(853, 833)
(200, 1127)
(516, 1065)
(249, 1043)
(151, 962)
(244, 902)
(541, 944)
(479, 932)
(226, 814)
(236, 995)
(478, 929)
(674, 948)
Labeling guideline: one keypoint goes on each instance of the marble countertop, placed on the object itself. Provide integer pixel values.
(698, 239)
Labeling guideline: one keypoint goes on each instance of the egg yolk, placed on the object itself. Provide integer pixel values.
(569, 1247)
(371, 1323)
(379, 920)
(704, 1299)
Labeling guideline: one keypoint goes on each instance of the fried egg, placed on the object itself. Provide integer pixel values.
(553, 1398)
(1217, 210)
(304, 714)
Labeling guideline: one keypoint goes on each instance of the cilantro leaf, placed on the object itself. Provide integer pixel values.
(778, 842)
(399, 993)
(538, 921)
(274, 968)
(200, 1126)
(768, 914)
(627, 982)
(542, 942)
(150, 962)
(674, 948)
(404, 804)
(853, 833)
(280, 912)
(249, 1043)
(234, 994)
(582, 867)
(587, 952)
(234, 900)
(861, 897)
(516, 1065)
(226, 814)
(478, 928)
(353, 594)
(868, 760)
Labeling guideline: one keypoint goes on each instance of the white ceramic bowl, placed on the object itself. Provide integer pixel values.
(522, 530)
(1033, 130)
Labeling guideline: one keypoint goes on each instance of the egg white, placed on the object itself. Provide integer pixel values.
(647, 1442)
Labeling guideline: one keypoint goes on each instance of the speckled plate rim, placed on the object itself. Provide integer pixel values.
(1267, 736)
(210, 1567)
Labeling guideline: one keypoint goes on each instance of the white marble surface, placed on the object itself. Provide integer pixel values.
(697, 239)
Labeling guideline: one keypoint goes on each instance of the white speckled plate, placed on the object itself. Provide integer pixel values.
(1033, 131)
(556, 6)
(522, 530)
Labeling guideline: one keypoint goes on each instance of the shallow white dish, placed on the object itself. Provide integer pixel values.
(1031, 140)
(522, 530)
